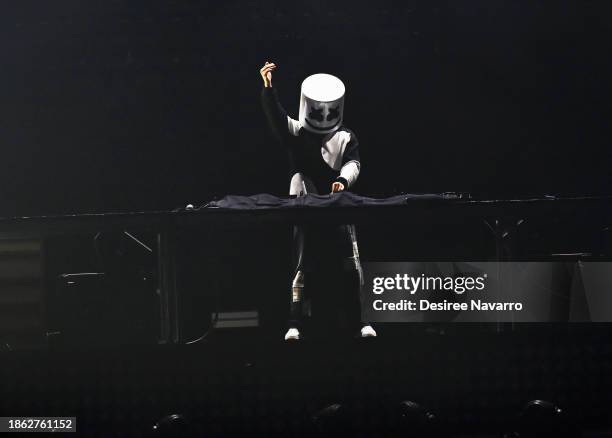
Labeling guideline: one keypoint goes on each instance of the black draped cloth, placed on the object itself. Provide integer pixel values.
(341, 199)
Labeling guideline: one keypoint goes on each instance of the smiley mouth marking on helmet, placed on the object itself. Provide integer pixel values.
(322, 129)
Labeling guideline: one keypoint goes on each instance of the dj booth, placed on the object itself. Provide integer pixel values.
(578, 227)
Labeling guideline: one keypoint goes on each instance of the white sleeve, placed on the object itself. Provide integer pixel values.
(293, 126)
(350, 171)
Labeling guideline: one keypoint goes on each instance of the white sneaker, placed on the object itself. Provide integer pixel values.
(292, 334)
(368, 332)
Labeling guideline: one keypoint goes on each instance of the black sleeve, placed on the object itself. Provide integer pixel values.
(343, 181)
(275, 113)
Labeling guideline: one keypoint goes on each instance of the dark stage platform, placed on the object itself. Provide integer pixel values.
(243, 383)
(110, 315)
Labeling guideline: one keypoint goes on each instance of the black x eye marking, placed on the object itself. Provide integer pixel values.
(334, 113)
(316, 114)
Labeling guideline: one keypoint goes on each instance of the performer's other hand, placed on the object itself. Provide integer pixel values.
(266, 73)
(337, 187)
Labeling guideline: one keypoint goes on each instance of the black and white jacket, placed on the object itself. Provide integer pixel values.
(317, 160)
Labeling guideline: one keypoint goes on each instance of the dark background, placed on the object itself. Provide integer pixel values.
(137, 105)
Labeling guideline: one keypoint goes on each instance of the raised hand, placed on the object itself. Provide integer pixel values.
(266, 73)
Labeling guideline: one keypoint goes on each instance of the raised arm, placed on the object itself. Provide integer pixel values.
(280, 123)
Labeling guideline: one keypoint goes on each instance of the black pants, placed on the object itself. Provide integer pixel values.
(327, 275)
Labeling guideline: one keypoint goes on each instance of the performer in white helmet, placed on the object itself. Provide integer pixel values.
(324, 157)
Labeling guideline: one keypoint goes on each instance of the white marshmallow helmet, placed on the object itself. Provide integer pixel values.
(321, 103)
